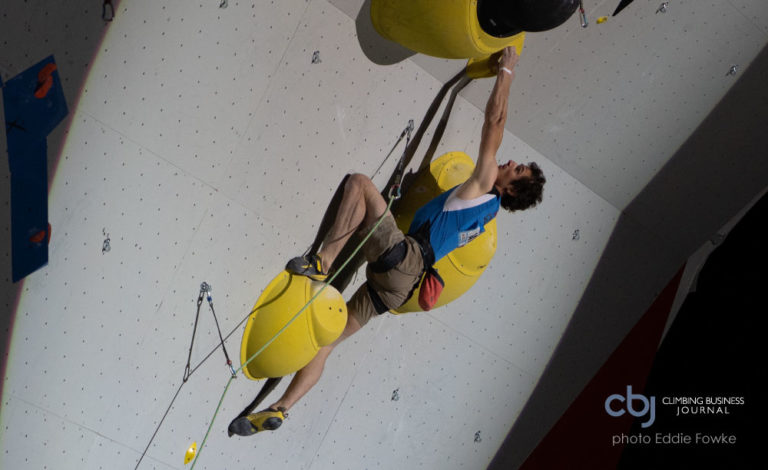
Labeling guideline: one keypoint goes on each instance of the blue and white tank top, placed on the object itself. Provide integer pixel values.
(454, 222)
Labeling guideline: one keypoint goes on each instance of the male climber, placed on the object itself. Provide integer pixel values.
(396, 261)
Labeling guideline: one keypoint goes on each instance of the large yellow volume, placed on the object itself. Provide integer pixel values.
(439, 28)
(318, 325)
(462, 267)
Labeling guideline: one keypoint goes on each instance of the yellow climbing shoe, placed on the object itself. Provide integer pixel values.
(265, 420)
(308, 265)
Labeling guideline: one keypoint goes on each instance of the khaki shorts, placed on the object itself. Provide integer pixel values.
(392, 286)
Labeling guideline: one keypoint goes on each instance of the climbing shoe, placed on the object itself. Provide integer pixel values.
(307, 265)
(265, 420)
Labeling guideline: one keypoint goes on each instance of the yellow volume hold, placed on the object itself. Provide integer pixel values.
(318, 325)
(441, 28)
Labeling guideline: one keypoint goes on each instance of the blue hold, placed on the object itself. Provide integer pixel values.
(28, 121)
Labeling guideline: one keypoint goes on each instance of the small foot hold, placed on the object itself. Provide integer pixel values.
(265, 420)
(41, 236)
(190, 454)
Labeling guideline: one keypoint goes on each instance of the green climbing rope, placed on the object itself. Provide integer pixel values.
(392, 198)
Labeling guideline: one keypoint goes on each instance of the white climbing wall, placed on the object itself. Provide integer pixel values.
(205, 144)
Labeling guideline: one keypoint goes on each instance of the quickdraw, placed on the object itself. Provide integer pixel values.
(205, 291)
(400, 169)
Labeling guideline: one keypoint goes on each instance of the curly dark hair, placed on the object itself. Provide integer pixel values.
(527, 191)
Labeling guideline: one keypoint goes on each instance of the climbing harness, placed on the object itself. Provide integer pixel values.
(406, 133)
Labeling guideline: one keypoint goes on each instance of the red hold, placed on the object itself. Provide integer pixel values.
(44, 80)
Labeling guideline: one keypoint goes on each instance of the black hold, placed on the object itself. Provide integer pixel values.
(622, 4)
(504, 18)
(107, 11)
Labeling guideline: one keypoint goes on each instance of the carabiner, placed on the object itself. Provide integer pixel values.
(395, 187)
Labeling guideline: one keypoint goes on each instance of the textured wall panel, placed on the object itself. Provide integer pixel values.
(182, 80)
(64, 444)
(754, 10)
(425, 396)
(319, 121)
(206, 147)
